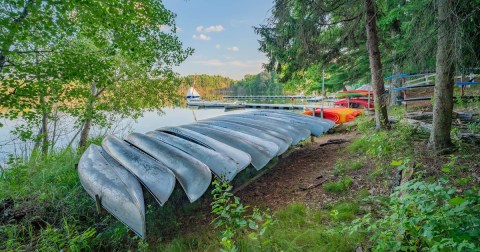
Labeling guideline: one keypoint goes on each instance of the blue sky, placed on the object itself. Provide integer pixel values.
(221, 33)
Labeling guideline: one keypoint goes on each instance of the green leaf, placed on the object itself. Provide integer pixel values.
(456, 201)
(395, 163)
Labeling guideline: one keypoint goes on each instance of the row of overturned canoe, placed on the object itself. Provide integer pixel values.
(115, 172)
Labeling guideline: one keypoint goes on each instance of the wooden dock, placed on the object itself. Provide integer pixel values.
(279, 106)
(271, 97)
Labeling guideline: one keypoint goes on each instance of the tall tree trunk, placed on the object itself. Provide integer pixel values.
(88, 122)
(45, 142)
(2, 61)
(443, 94)
(381, 116)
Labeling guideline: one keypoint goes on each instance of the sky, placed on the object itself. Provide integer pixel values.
(221, 32)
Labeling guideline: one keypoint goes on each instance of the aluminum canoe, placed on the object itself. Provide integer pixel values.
(278, 132)
(313, 119)
(298, 133)
(316, 129)
(280, 142)
(157, 178)
(240, 157)
(193, 175)
(221, 165)
(119, 191)
(260, 150)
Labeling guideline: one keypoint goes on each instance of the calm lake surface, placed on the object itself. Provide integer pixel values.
(149, 121)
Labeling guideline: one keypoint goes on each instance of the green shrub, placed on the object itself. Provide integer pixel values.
(338, 186)
(365, 124)
(232, 217)
(345, 211)
(424, 216)
(383, 144)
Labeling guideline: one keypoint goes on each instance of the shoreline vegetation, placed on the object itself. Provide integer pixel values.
(44, 206)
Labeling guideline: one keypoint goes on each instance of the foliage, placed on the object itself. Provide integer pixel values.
(341, 185)
(474, 127)
(264, 83)
(381, 144)
(232, 217)
(207, 85)
(85, 59)
(424, 216)
(45, 208)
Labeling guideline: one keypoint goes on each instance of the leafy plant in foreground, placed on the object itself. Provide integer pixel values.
(425, 216)
(232, 216)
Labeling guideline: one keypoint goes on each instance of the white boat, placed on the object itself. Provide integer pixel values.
(193, 95)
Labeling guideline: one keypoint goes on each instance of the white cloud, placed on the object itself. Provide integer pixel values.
(218, 46)
(199, 28)
(201, 37)
(212, 28)
(233, 48)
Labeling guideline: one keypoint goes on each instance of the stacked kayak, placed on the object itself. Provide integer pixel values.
(115, 172)
(357, 102)
(337, 115)
(356, 98)
(354, 93)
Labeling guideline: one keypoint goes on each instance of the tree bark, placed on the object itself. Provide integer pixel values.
(45, 142)
(88, 122)
(381, 116)
(2, 61)
(440, 139)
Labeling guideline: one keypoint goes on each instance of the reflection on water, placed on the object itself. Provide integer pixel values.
(149, 121)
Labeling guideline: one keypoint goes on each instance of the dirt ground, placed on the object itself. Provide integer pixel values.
(296, 177)
(299, 176)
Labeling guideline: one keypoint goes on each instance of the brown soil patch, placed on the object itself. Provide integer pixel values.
(298, 177)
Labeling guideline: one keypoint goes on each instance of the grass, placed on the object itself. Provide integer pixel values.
(341, 185)
(343, 166)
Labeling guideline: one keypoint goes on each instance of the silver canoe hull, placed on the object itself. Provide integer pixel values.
(240, 157)
(313, 119)
(119, 191)
(260, 150)
(297, 133)
(280, 142)
(221, 165)
(315, 129)
(278, 132)
(157, 178)
(193, 175)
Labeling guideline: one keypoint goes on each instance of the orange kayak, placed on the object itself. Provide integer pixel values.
(338, 115)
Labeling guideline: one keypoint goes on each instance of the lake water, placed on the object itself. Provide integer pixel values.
(149, 121)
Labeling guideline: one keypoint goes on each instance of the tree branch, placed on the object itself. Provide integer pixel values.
(343, 20)
(99, 92)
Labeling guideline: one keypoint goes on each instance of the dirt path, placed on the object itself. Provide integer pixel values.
(298, 177)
